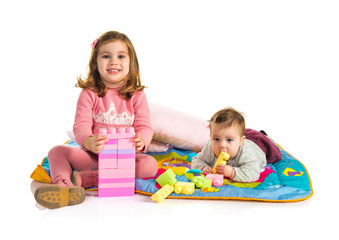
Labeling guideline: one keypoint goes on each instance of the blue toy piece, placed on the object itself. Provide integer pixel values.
(190, 156)
(194, 171)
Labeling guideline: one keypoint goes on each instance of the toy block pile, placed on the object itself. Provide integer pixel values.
(117, 163)
(169, 184)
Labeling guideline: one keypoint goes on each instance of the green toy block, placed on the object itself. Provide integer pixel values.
(167, 177)
(202, 182)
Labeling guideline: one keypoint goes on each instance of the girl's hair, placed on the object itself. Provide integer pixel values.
(94, 81)
(227, 117)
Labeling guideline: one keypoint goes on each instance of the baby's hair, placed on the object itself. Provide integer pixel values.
(94, 81)
(227, 117)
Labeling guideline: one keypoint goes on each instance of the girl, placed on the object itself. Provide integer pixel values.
(112, 96)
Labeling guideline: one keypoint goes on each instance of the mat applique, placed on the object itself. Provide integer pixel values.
(283, 181)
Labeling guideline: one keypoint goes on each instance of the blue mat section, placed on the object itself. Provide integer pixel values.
(286, 180)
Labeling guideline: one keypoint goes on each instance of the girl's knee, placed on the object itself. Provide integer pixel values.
(146, 166)
(60, 153)
(55, 151)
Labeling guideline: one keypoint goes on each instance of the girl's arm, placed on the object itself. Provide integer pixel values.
(142, 122)
(83, 121)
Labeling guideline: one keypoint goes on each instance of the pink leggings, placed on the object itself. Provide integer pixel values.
(64, 159)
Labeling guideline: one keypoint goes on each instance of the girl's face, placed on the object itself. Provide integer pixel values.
(226, 140)
(113, 63)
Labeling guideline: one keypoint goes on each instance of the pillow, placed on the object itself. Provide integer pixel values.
(156, 146)
(178, 129)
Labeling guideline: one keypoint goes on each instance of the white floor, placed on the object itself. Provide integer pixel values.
(140, 217)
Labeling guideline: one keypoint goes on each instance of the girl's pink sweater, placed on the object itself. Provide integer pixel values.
(94, 112)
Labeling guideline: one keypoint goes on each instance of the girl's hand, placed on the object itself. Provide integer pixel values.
(207, 170)
(95, 143)
(139, 143)
(225, 170)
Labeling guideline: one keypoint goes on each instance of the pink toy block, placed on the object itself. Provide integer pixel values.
(117, 163)
(112, 173)
(217, 180)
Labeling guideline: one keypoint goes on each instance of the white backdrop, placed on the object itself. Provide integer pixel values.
(276, 61)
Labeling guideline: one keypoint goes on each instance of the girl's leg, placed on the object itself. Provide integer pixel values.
(145, 166)
(64, 159)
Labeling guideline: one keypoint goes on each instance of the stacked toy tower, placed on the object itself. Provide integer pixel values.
(117, 163)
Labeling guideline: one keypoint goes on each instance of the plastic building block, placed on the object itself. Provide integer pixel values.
(180, 170)
(222, 159)
(196, 171)
(162, 193)
(117, 163)
(167, 177)
(217, 179)
(190, 156)
(202, 182)
(184, 188)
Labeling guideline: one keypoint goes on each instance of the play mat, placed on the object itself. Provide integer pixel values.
(286, 180)
(283, 181)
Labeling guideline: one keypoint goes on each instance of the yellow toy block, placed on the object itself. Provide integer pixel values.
(162, 193)
(222, 159)
(180, 170)
(184, 188)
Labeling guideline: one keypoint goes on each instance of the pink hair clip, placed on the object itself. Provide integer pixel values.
(94, 43)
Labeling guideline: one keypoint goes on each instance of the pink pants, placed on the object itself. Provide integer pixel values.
(64, 159)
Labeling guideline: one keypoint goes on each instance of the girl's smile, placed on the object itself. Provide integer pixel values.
(113, 63)
(113, 70)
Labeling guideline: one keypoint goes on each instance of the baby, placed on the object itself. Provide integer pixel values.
(227, 128)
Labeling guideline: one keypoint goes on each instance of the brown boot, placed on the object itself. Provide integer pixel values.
(86, 178)
(59, 194)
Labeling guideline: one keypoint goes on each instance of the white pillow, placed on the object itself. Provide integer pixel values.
(156, 146)
(178, 129)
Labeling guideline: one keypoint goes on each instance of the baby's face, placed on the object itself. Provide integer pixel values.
(226, 140)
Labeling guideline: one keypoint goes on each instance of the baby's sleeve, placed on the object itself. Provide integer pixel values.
(203, 158)
(249, 166)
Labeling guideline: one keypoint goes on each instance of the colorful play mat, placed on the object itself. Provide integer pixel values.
(284, 181)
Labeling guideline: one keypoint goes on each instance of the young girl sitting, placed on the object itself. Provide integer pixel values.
(112, 96)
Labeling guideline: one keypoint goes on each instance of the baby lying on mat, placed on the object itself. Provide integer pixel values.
(227, 129)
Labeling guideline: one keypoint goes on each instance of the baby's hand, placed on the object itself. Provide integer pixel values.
(139, 143)
(207, 170)
(225, 170)
(95, 143)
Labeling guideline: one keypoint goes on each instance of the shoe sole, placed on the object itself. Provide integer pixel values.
(54, 196)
